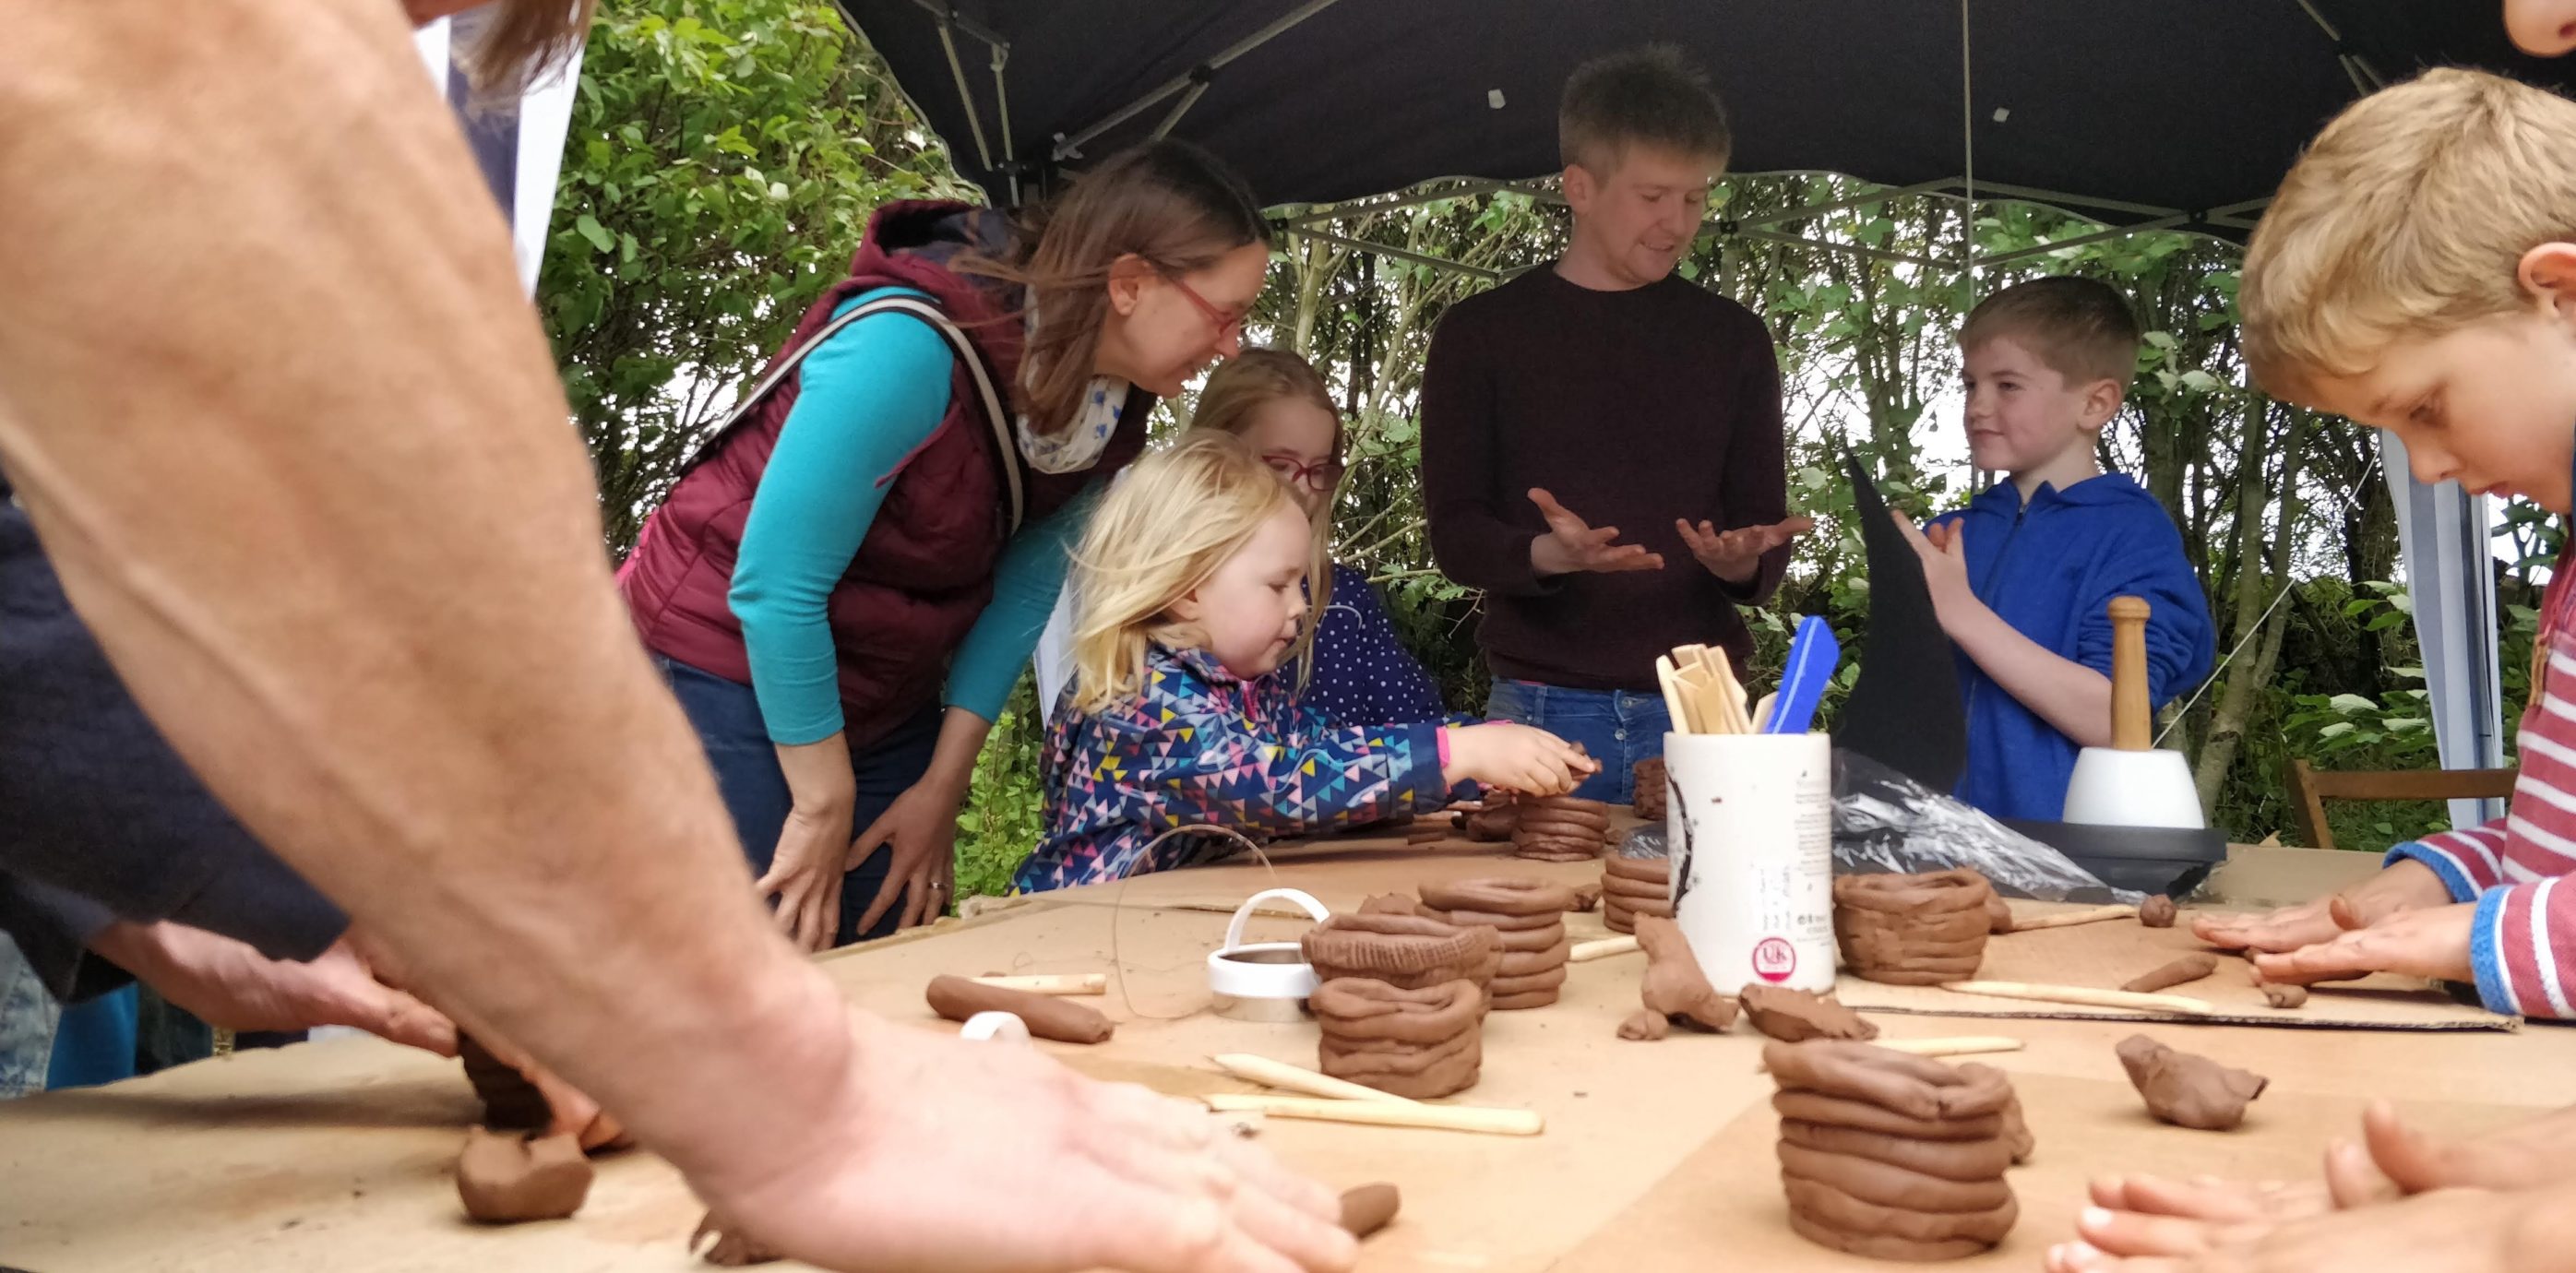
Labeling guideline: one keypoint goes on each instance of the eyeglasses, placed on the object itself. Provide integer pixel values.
(1320, 477)
(1227, 323)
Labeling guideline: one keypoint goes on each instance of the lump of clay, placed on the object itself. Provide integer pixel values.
(1651, 789)
(1913, 930)
(1390, 904)
(1416, 1043)
(2017, 1132)
(1795, 1016)
(2157, 912)
(1999, 916)
(2191, 967)
(1047, 1016)
(1587, 898)
(1560, 829)
(506, 1178)
(510, 1102)
(731, 1247)
(1493, 822)
(1407, 951)
(1635, 886)
(2187, 1090)
(1645, 1025)
(1527, 918)
(1890, 1156)
(2281, 996)
(1368, 1208)
(1674, 985)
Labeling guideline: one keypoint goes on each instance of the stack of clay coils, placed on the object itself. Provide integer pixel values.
(1408, 952)
(1527, 918)
(1891, 1156)
(1651, 789)
(1634, 886)
(1413, 1043)
(1912, 930)
(1560, 829)
(1393, 991)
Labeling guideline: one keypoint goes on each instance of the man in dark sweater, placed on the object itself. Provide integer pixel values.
(1573, 414)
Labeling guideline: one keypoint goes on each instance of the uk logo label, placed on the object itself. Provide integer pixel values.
(1774, 959)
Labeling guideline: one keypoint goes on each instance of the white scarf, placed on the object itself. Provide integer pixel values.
(1103, 402)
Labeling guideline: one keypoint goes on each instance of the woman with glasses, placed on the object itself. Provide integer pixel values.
(844, 583)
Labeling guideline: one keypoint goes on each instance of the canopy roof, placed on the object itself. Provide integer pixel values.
(2176, 112)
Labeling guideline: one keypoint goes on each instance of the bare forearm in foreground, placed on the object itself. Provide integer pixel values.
(296, 445)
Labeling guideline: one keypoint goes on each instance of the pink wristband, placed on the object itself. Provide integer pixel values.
(1443, 736)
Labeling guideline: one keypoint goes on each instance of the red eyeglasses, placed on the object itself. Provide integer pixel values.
(1320, 477)
(1226, 323)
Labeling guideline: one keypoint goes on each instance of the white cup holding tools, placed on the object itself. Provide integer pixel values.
(1750, 828)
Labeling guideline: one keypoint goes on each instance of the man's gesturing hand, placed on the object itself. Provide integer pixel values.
(1736, 555)
(1572, 544)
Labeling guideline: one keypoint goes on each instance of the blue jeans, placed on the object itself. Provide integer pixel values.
(1618, 727)
(727, 718)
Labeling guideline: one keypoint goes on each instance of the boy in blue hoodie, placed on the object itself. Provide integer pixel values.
(2022, 578)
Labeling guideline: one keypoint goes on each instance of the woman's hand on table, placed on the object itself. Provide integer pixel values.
(901, 1172)
(805, 869)
(920, 830)
(2409, 885)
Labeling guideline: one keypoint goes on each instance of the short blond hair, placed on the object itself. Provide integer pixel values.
(1164, 529)
(2407, 217)
(2079, 328)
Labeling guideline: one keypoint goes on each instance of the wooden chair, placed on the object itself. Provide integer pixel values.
(2311, 788)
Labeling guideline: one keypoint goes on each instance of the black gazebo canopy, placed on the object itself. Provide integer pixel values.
(2182, 113)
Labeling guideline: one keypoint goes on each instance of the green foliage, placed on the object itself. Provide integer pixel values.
(723, 159)
(1004, 813)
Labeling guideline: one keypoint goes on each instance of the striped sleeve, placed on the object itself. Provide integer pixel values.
(2468, 860)
(2524, 944)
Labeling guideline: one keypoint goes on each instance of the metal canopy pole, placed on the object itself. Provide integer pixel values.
(965, 98)
(2115, 232)
(1068, 147)
(1401, 254)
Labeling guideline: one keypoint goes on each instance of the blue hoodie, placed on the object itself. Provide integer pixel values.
(2050, 570)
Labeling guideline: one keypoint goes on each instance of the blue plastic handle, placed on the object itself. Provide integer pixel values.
(1813, 652)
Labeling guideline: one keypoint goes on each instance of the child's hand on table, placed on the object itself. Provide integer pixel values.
(1516, 758)
(2409, 885)
(2426, 942)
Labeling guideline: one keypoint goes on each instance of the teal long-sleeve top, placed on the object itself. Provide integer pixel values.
(869, 397)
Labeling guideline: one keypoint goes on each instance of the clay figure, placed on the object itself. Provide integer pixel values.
(1674, 985)
(506, 1177)
(2187, 1090)
(2157, 911)
(2189, 968)
(1587, 898)
(1645, 1025)
(1913, 930)
(1892, 1156)
(510, 1102)
(1368, 1208)
(1795, 1016)
(2281, 996)
(1047, 1016)
(731, 1248)
(2017, 1132)
(1410, 951)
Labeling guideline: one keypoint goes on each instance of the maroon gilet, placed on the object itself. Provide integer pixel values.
(925, 569)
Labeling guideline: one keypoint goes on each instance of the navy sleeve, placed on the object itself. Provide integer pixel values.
(1363, 675)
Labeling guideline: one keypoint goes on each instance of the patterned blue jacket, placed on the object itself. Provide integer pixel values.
(1200, 745)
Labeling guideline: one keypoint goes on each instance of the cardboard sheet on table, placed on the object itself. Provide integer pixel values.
(2105, 954)
(1723, 1208)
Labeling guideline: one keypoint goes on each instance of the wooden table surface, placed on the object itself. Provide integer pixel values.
(335, 1155)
